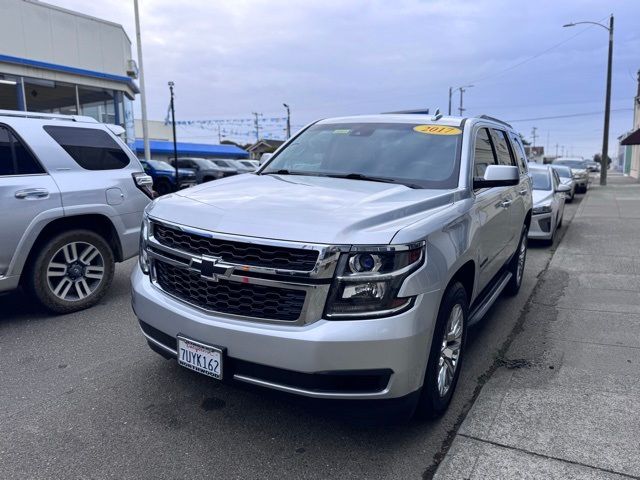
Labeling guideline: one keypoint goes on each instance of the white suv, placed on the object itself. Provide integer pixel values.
(72, 195)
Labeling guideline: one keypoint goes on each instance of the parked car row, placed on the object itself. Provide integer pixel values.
(193, 171)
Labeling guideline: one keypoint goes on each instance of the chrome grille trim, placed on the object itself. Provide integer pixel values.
(316, 283)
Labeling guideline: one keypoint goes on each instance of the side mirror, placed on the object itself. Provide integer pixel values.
(264, 158)
(498, 176)
(563, 188)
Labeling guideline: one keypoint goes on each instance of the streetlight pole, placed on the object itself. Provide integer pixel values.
(288, 121)
(143, 97)
(461, 89)
(604, 160)
(175, 143)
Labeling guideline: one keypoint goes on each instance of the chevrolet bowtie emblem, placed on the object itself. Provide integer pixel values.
(209, 270)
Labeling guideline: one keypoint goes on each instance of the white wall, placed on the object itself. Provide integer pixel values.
(38, 31)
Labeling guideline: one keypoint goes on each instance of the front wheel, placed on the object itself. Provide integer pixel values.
(445, 356)
(72, 271)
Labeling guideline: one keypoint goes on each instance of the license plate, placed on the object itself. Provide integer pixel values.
(202, 358)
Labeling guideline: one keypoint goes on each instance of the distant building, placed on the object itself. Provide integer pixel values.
(534, 154)
(54, 60)
(632, 140)
(161, 144)
(263, 146)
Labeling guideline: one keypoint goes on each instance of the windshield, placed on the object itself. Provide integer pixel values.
(158, 165)
(564, 172)
(571, 163)
(221, 163)
(424, 156)
(541, 180)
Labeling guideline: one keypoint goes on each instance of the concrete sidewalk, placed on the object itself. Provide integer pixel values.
(566, 402)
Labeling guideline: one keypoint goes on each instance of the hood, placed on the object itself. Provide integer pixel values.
(566, 181)
(542, 196)
(301, 208)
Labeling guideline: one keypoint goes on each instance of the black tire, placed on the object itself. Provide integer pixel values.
(432, 403)
(163, 187)
(517, 269)
(89, 292)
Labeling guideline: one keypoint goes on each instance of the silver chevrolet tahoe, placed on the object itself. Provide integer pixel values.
(72, 197)
(349, 266)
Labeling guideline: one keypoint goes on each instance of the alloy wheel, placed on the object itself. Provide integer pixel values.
(450, 349)
(75, 271)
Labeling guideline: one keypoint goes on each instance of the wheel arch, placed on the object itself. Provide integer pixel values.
(466, 275)
(96, 223)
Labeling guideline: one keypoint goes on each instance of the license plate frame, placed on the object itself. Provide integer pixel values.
(211, 354)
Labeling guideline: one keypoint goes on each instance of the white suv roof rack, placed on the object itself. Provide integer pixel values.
(47, 116)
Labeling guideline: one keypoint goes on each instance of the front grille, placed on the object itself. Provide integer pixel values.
(237, 252)
(245, 299)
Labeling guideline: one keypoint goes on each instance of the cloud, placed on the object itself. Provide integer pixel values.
(229, 58)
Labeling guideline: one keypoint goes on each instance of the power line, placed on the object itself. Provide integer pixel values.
(585, 114)
(533, 57)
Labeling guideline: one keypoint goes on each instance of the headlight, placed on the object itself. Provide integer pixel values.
(368, 280)
(143, 258)
(541, 209)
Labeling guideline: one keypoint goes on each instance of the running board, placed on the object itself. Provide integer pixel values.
(490, 297)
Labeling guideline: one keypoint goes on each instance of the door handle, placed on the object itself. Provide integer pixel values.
(32, 193)
(506, 203)
(523, 191)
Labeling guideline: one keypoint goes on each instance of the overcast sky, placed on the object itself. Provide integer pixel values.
(326, 58)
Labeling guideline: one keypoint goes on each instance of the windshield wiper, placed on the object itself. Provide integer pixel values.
(360, 176)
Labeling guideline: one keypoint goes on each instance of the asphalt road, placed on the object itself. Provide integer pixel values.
(82, 396)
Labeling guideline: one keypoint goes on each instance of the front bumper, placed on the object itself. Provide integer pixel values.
(541, 226)
(279, 356)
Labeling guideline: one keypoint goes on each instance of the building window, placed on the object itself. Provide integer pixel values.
(47, 96)
(9, 92)
(97, 103)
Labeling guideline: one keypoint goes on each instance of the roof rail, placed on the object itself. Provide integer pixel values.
(47, 116)
(409, 112)
(493, 119)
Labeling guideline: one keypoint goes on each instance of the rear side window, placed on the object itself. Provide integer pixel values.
(519, 153)
(502, 148)
(15, 159)
(91, 148)
(483, 154)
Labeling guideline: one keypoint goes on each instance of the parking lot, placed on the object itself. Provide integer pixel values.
(83, 396)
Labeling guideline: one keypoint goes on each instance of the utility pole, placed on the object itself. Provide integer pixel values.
(556, 150)
(143, 97)
(534, 136)
(450, 94)
(607, 101)
(288, 121)
(460, 109)
(175, 143)
(257, 125)
(219, 134)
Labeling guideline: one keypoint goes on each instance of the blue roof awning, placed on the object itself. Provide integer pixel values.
(162, 147)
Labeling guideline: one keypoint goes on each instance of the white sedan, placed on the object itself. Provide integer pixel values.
(548, 202)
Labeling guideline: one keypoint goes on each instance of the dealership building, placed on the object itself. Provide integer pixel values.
(54, 60)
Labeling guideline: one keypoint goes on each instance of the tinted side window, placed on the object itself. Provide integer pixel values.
(484, 154)
(6, 157)
(502, 148)
(519, 153)
(15, 159)
(92, 149)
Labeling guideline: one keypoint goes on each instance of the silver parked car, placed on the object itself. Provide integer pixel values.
(72, 195)
(349, 266)
(578, 170)
(548, 202)
(566, 178)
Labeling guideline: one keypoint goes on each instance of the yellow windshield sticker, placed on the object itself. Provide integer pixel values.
(437, 130)
(343, 131)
